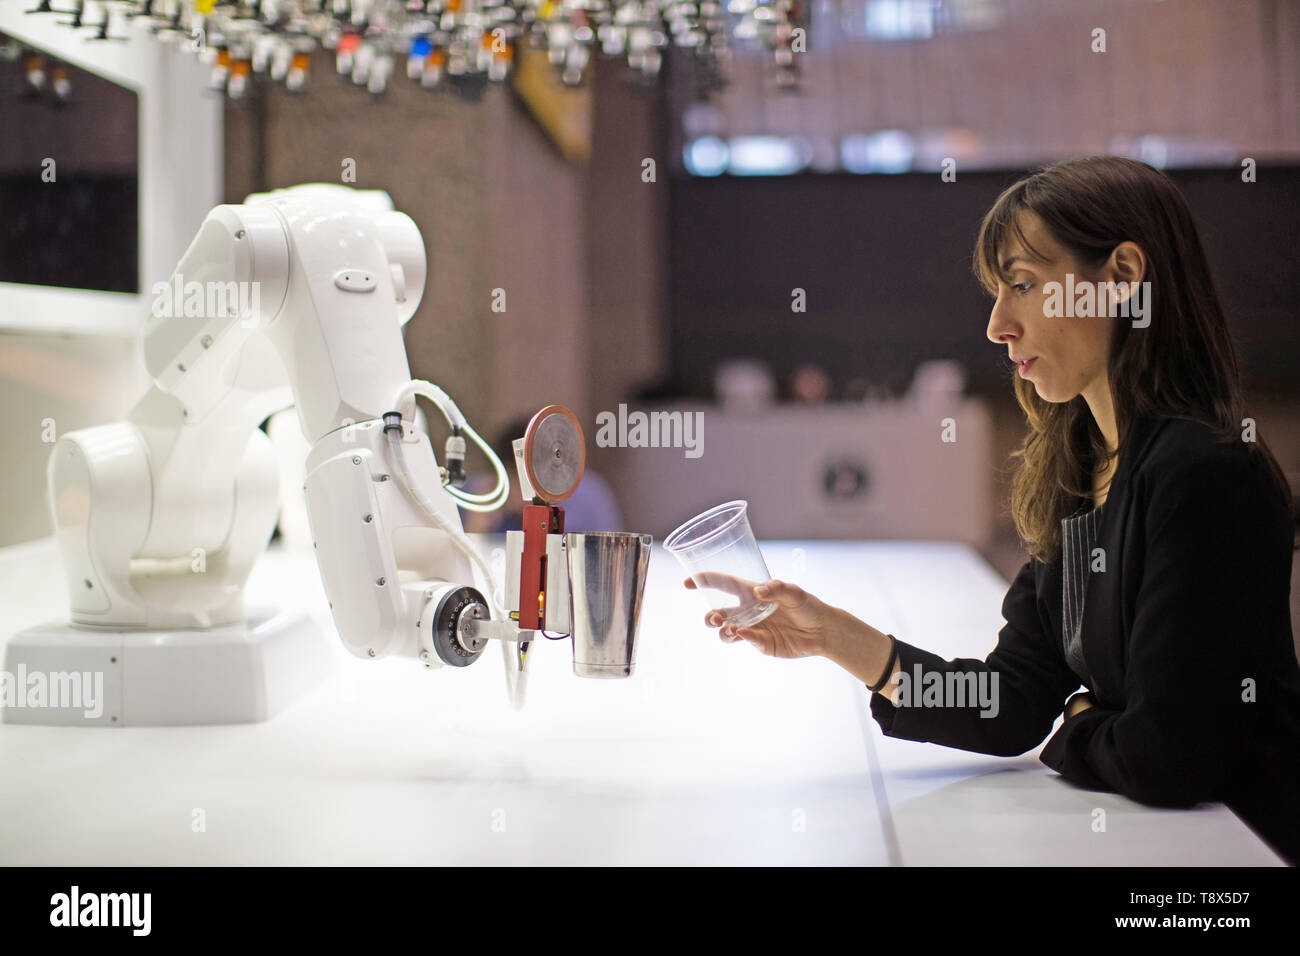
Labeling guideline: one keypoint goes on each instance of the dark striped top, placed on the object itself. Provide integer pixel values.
(1078, 538)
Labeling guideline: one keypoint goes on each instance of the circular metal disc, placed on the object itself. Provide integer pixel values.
(447, 626)
(555, 453)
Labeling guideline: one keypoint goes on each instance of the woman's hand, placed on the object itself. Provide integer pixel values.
(799, 627)
(1080, 701)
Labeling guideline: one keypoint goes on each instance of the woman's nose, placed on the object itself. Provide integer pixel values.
(1001, 328)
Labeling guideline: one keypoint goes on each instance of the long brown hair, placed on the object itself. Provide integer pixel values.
(1182, 365)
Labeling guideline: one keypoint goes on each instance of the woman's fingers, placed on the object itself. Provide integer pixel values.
(722, 582)
(783, 592)
(730, 634)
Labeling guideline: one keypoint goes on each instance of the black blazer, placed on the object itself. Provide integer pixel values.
(1186, 634)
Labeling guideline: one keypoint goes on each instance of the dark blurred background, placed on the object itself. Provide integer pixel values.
(647, 238)
(625, 290)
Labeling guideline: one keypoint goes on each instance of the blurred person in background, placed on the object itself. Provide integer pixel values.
(810, 385)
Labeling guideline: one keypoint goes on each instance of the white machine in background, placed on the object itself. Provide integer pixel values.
(298, 296)
(920, 468)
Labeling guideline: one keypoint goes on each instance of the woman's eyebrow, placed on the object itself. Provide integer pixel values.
(1007, 264)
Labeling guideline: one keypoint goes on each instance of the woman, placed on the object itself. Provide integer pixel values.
(1159, 529)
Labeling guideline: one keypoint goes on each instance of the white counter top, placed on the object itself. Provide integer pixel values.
(709, 754)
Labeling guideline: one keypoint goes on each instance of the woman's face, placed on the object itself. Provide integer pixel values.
(1062, 355)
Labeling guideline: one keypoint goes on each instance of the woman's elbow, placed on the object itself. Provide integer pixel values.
(1174, 784)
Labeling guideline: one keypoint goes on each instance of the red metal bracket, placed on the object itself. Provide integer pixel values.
(539, 521)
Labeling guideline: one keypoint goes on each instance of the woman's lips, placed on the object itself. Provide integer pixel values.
(1025, 366)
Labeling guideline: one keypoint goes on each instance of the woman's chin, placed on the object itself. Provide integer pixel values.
(1050, 395)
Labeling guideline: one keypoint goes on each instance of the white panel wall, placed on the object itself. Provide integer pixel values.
(70, 357)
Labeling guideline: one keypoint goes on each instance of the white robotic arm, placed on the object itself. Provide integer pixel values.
(298, 296)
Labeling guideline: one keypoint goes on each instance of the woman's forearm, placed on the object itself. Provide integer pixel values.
(860, 649)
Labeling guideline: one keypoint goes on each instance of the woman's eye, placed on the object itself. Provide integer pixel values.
(1022, 287)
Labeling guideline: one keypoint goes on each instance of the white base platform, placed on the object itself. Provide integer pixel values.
(63, 675)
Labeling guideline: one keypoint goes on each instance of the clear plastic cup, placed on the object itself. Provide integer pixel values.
(718, 551)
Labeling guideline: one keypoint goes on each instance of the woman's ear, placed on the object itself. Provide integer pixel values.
(1127, 263)
(1124, 271)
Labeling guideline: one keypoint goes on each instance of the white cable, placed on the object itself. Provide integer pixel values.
(489, 501)
(418, 386)
(501, 491)
(458, 537)
(516, 670)
(516, 673)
